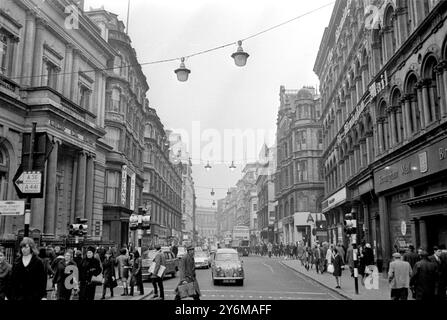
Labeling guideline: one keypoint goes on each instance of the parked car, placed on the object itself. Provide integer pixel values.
(171, 262)
(202, 260)
(227, 267)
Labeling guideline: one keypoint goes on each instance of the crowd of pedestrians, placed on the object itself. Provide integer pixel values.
(51, 273)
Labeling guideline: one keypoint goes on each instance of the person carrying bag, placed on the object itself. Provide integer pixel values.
(188, 285)
(158, 273)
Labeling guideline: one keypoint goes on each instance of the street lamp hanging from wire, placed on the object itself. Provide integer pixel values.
(208, 166)
(232, 167)
(240, 57)
(182, 72)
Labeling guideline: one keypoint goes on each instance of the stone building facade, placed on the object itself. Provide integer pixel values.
(384, 84)
(299, 183)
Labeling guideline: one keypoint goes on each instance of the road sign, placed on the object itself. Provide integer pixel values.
(12, 208)
(310, 219)
(28, 183)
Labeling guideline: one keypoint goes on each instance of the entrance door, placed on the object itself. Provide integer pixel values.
(436, 231)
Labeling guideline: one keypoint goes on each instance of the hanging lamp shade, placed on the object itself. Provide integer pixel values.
(208, 167)
(232, 167)
(212, 193)
(182, 72)
(240, 57)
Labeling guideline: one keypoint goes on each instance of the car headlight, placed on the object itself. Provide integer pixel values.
(235, 274)
(240, 269)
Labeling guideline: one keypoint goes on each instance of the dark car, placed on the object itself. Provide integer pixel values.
(171, 262)
(227, 267)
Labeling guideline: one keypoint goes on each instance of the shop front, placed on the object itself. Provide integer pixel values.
(334, 209)
(413, 199)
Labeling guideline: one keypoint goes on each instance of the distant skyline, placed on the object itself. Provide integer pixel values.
(220, 96)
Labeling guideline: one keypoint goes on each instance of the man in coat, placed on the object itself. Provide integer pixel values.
(442, 286)
(411, 256)
(159, 261)
(188, 273)
(399, 276)
(424, 278)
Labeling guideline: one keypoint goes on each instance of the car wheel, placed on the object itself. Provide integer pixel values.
(216, 282)
(241, 282)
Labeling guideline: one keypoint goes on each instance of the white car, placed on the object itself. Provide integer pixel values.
(202, 260)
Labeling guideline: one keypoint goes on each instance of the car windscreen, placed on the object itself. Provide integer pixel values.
(200, 255)
(149, 255)
(227, 257)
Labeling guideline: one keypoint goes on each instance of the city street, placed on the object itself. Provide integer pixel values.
(265, 279)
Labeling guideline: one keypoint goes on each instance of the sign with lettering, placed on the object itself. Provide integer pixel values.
(334, 200)
(132, 191)
(12, 208)
(123, 185)
(418, 165)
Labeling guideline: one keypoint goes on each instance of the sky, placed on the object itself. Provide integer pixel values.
(219, 98)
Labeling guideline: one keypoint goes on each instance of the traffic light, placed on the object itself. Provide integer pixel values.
(350, 224)
(79, 228)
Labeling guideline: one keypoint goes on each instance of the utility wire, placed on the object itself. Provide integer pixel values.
(187, 56)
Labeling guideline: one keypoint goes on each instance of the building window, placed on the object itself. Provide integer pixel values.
(85, 97)
(320, 137)
(3, 175)
(147, 182)
(113, 192)
(50, 74)
(255, 207)
(6, 53)
(116, 100)
(112, 137)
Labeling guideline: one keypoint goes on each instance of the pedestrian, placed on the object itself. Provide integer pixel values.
(58, 256)
(123, 270)
(341, 252)
(90, 267)
(329, 255)
(350, 259)
(368, 258)
(318, 258)
(399, 275)
(174, 249)
(270, 248)
(28, 278)
(188, 273)
(5, 275)
(337, 261)
(137, 273)
(108, 272)
(324, 249)
(157, 282)
(64, 269)
(78, 258)
(442, 284)
(411, 256)
(423, 281)
(300, 251)
(47, 268)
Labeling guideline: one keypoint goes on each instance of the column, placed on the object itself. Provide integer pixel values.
(357, 161)
(386, 135)
(38, 53)
(352, 163)
(75, 76)
(80, 187)
(432, 96)
(399, 124)
(50, 196)
(426, 102)
(369, 148)
(413, 226)
(407, 118)
(423, 234)
(67, 70)
(393, 127)
(444, 86)
(384, 232)
(90, 191)
(30, 36)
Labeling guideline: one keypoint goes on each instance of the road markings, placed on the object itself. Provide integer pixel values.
(271, 269)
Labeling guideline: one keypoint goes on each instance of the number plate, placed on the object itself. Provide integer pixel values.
(229, 281)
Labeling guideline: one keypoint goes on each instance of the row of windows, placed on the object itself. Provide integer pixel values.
(302, 142)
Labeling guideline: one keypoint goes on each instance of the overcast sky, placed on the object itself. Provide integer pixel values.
(219, 95)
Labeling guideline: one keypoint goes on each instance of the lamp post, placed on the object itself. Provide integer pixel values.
(140, 222)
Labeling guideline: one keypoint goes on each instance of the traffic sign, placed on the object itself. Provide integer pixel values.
(28, 183)
(12, 208)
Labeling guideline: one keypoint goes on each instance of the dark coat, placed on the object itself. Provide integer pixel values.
(424, 279)
(188, 271)
(368, 255)
(411, 258)
(175, 250)
(28, 283)
(338, 262)
(5, 278)
(108, 271)
(88, 269)
(60, 275)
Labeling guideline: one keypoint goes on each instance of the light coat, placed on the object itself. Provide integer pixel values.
(399, 274)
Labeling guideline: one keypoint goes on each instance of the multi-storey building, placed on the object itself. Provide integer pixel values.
(125, 112)
(299, 185)
(384, 84)
(226, 213)
(206, 225)
(51, 74)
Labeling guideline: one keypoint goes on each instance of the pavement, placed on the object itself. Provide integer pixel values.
(347, 282)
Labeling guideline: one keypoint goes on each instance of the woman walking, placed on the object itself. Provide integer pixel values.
(137, 275)
(28, 278)
(108, 271)
(64, 269)
(5, 274)
(123, 270)
(338, 263)
(90, 266)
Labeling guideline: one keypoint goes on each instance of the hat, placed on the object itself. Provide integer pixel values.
(157, 247)
(92, 249)
(190, 247)
(397, 255)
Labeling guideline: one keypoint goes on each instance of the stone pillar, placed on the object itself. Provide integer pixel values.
(50, 197)
(352, 163)
(347, 168)
(393, 126)
(415, 111)
(369, 148)
(384, 232)
(75, 77)
(81, 184)
(399, 124)
(38, 53)
(444, 90)
(342, 172)
(68, 70)
(90, 191)
(28, 43)
(386, 134)
(357, 159)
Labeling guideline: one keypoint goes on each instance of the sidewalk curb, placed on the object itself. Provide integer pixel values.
(309, 277)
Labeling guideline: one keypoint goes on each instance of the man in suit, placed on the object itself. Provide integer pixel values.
(188, 273)
(157, 281)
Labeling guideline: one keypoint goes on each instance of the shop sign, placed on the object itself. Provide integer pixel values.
(123, 185)
(421, 164)
(288, 220)
(334, 200)
(403, 228)
(132, 191)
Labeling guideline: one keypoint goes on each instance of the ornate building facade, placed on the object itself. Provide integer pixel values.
(299, 183)
(384, 84)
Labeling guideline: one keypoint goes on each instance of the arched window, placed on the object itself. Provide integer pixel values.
(430, 90)
(390, 32)
(4, 173)
(384, 135)
(411, 104)
(377, 50)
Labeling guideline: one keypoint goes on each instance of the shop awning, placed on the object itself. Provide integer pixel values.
(442, 195)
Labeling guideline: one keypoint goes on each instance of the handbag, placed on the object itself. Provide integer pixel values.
(330, 268)
(152, 267)
(186, 289)
(161, 271)
(97, 280)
